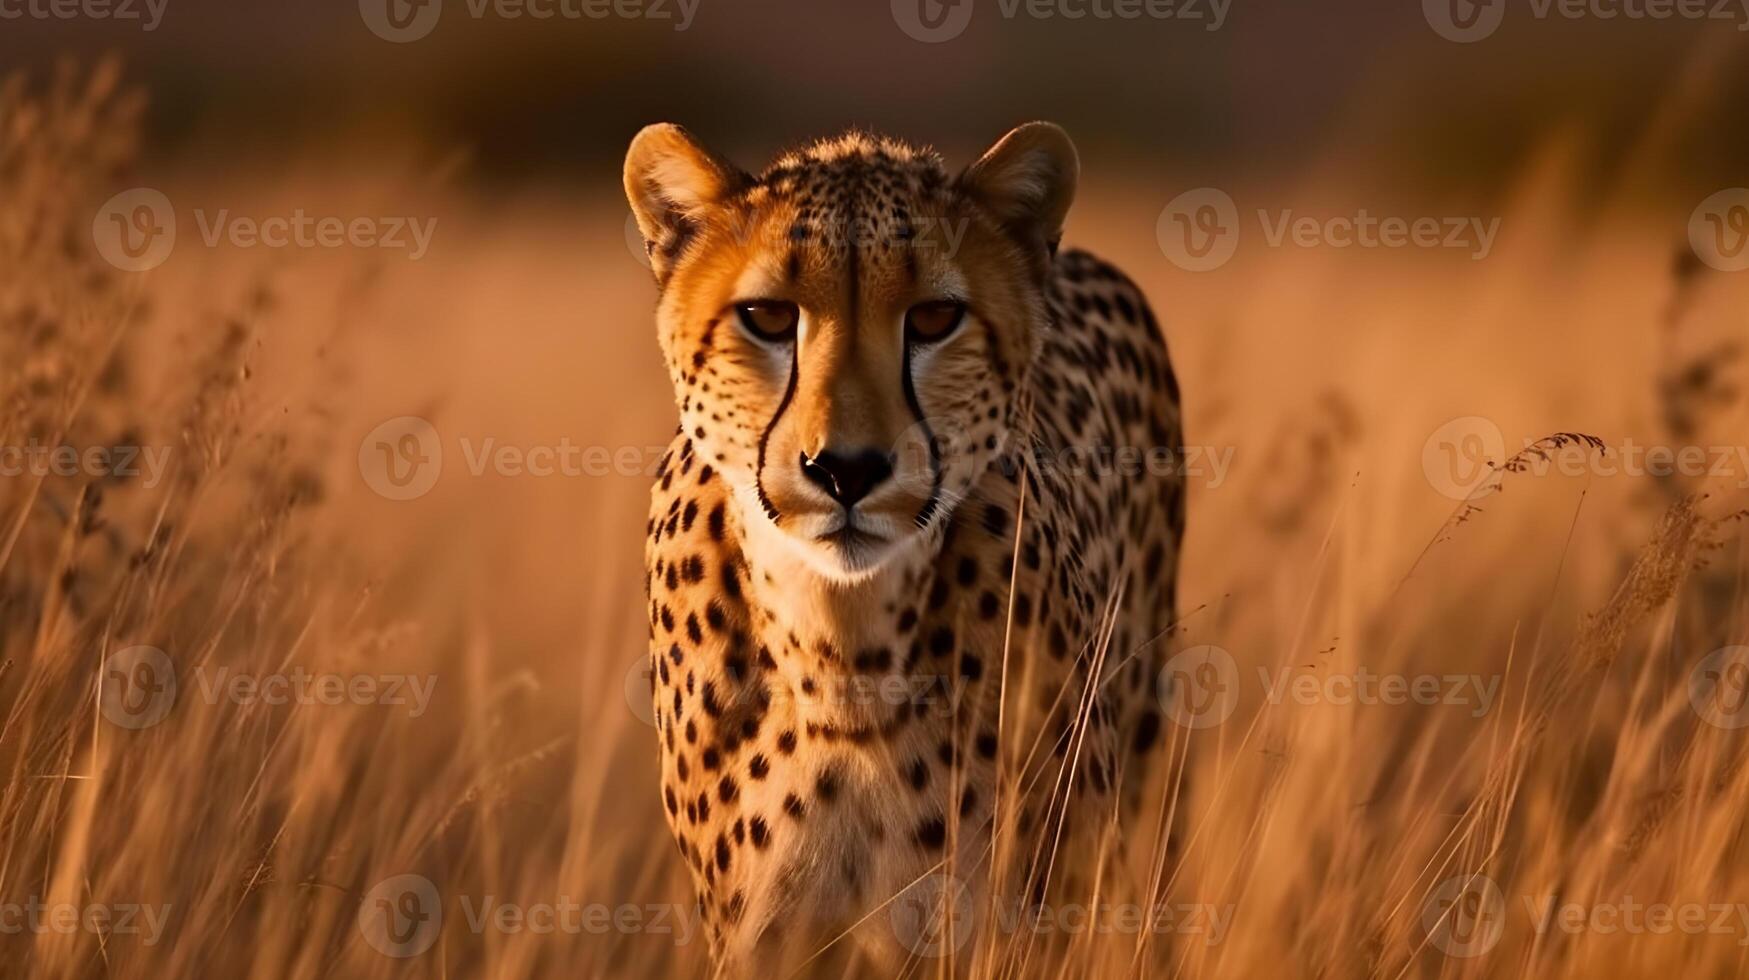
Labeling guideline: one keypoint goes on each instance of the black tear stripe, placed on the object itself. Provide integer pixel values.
(926, 513)
(789, 392)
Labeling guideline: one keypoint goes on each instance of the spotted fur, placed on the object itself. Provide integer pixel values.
(843, 712)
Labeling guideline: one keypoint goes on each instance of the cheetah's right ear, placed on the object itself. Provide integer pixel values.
(670, 179)
(1028, 180)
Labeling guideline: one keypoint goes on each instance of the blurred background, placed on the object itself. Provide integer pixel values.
(1582, 164)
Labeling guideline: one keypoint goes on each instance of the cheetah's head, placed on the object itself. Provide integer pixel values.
(848, 332)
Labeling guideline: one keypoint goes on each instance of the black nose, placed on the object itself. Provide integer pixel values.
(847, 477)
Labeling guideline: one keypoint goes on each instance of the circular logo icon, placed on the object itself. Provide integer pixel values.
(138, 687)
(640, 690)
(135, 230)
(402, 458)
(932, 21)
(1718, 687)
(1460, 456)
(401, 916)
(635, 243)
(1718, 230)
(933, 918)
(1199, 229)
(1464, 916)
(1199, 687)
(400, 21)
(1464, 21)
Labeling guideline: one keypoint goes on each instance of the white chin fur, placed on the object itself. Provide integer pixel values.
(830, 562)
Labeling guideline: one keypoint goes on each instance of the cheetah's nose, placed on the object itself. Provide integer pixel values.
(847, 477)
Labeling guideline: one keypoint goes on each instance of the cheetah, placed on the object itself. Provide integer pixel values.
(910, 551)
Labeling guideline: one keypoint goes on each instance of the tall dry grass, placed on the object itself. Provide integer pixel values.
(1321, 833)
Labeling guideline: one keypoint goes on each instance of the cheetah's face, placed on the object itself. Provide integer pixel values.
(847, 332)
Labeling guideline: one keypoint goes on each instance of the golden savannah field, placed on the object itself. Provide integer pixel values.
(1463, 673)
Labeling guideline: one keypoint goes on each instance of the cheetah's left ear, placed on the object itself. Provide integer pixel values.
(1028, 180)
(671, 181)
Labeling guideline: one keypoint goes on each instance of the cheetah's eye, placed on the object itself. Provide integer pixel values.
(926, 323)
(771, 320)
